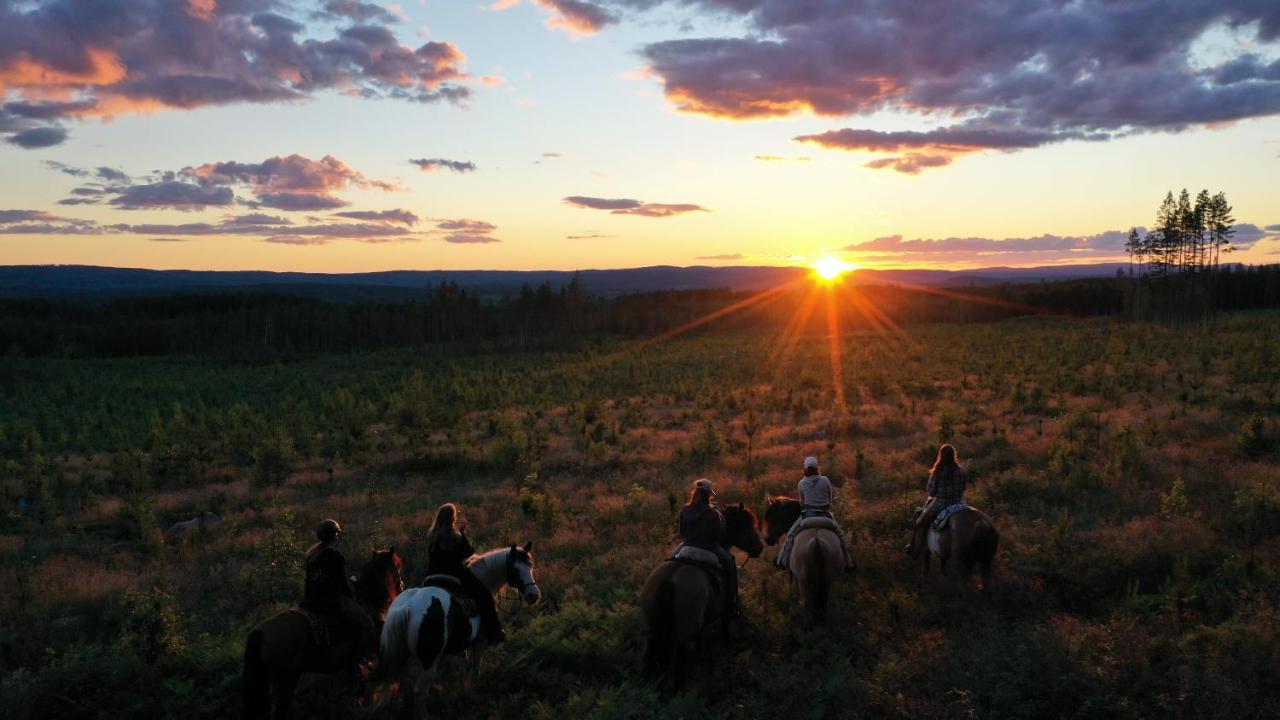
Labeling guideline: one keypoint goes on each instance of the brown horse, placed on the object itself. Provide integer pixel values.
(283, 647)
(816, 555)
(967, 541)
(680, 601)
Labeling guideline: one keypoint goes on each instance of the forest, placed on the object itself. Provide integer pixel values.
(1130, 467)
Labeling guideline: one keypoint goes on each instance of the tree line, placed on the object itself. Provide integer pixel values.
(262, 327)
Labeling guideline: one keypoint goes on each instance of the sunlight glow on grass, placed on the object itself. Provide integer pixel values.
(830, 269)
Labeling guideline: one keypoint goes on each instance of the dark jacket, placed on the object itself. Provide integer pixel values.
(326, 576)
(702, 527)
(447, 554)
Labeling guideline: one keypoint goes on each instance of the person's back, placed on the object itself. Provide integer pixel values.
(815, 493)
(701, 526)
(325, 577)
(946, 485)
(447, 553)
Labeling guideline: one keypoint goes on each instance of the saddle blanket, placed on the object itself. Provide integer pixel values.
(940, 521)
(454, 586)
(689, 553)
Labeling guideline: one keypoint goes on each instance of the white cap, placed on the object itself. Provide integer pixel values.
(811, 462)
(703, 483)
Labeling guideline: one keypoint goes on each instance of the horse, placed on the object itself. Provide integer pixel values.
(430, 622)
(970, 538)
(283, 647)
(679, 601)
(816, 555)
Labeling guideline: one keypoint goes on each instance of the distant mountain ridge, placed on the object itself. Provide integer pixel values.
(49, 281)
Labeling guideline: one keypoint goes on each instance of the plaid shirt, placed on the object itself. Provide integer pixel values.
(947, 491)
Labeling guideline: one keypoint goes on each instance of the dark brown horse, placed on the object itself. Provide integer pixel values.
(966, 543)
(283, 647)
(679, 601)
(816, 555)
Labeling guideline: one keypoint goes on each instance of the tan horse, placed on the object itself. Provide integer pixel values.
(680, 602)
(816, 556)
(966, 543)
(283, 647)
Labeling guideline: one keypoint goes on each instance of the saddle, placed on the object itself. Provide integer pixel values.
(940, 521)
(825, 522)
(325, 628)
(701, 558)
(454, 586)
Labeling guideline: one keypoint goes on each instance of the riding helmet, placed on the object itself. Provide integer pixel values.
(328, 530)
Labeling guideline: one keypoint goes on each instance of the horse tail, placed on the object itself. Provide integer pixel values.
(257, 687)
(981, 549)
(816, 579)
(660, 649)
(392, 645)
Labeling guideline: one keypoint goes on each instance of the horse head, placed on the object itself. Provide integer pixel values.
(779, 516)
(382, 578)
(520, 572)
(742, 530)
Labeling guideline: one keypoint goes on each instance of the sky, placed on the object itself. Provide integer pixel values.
(347, 136)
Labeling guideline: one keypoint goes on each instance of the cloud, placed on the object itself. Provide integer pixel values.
(1046, 248)
(469, 239)
(38, 137)
(170, 240)
(577, 17)
(627, 206)
(295, 240)
(781, 158)
(726, 256)
(174, 195)
(1273, 228)
(403, 217)
(299, 202)
(1009, 77)
(465, 225)
(124, 56)
(12, 216)
(434, 164)
(589, 236)
(464, 231)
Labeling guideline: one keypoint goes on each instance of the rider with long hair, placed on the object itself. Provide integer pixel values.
(947, 481)
(328, 590)
(447, 552)
(701, 525)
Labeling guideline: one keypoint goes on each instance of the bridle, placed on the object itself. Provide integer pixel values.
(513, 576)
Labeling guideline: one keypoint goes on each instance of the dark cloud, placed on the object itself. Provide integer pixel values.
(299, 202)
(118, 56)
(433, 164)
(465, 225)
(169, 240)
(38, 137)
(295, 240)
(252, 219)
(12, 216)
(174, 195)
(1273, 228)
(403, 217)
(78, 201)
(66, 169)
(469, 239)
(1012, 75)
(111, 174)
(627, 206)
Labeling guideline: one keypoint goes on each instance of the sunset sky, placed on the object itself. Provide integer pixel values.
(339, 136)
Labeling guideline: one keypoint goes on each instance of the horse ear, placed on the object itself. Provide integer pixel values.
(513, 548)
(392, 549)
(528, 545)
(739, 506)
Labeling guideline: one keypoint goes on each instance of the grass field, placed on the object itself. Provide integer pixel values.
(1131, 470)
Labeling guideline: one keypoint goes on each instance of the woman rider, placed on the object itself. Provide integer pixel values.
(815, 494)
(701, 525)
(447, 552)
(947, 481)
(328, 591)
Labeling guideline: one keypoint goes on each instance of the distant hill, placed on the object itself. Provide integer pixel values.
(92, 281)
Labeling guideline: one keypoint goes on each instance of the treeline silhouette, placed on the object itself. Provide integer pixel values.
(264, 326)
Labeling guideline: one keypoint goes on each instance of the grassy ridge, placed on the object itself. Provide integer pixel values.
(1130, 469)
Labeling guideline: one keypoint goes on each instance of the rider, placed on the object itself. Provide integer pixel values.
(701, 525)
(815, 495)
(447, 552)
(328, 591)
(947, 480)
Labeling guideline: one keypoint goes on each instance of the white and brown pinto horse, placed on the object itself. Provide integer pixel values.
(426, 623)
(817, 557)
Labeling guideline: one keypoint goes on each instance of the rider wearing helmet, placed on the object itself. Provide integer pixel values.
(815, 495)
(447, 552)
(701, 525)
(328, 591)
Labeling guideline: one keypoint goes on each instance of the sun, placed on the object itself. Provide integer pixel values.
(830, 269)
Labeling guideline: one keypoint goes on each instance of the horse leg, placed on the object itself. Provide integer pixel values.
(285, 685)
